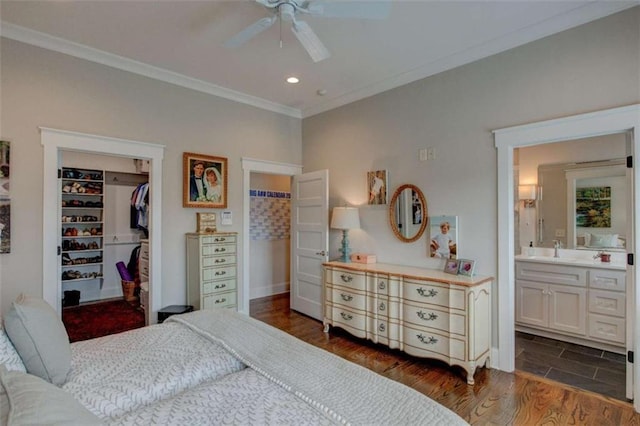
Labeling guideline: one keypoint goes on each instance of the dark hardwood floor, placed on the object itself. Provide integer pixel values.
(497, 398)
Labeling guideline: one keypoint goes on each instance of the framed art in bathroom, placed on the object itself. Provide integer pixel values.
(204, 181)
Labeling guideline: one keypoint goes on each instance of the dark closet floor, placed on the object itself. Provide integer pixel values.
(580, 366)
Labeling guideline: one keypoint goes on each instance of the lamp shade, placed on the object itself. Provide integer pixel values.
(526, 192)
(345, 218)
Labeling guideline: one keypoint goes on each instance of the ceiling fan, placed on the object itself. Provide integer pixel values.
(287, 11)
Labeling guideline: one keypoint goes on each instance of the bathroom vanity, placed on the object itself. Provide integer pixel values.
(577, 299)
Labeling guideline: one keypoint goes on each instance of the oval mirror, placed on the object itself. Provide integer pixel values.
(408, 213)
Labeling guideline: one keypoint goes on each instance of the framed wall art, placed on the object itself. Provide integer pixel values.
(377, 185)
(444, 237)
(204, 181)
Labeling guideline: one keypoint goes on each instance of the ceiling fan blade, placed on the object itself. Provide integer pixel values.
(310, 41)
(249, 32)
(350, 9)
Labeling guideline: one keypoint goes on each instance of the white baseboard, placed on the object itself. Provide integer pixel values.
(269, 290)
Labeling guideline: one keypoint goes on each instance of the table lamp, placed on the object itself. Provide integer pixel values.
(345, 218)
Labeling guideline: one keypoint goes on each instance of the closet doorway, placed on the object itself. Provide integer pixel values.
(55, 142)
(269, 233)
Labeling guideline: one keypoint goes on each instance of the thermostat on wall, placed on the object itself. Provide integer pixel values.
(226, 218)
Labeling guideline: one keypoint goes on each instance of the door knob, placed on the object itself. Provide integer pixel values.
(321, 253)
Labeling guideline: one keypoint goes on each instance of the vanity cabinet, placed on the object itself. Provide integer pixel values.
(582, 302)
(211, 270)
(423, 312)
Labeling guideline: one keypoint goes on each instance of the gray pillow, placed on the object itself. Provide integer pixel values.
(29, 400)
(40, 338)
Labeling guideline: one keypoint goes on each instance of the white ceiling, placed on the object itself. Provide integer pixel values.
(181, 41)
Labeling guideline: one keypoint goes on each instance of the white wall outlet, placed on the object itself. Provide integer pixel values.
(561, 233)
(423, 155)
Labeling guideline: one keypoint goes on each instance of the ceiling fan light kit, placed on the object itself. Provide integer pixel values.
(286, 11)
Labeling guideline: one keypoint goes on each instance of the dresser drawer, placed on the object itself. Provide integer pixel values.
(144, 251)
(607, 328)
(349, 279)
(219, 239)
(352, 322)
(434, 294)
(218, 286)
(229, 259)
(607, 303)
(425, 316)
(421, 343)
(341, 296)
(378, 284)
(219, 300)
(383, 307)
(217, 249)
(607, 280)
(209, 274)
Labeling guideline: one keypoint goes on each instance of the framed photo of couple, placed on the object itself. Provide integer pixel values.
(204, 181)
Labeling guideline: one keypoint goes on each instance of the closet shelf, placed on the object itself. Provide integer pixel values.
(80, 265)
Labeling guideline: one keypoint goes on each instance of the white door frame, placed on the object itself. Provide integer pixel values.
(54, 141)
(616, 120)
(250, 165)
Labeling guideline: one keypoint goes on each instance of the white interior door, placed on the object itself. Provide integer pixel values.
(309, 240)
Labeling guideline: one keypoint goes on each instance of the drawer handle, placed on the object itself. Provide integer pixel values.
(346, 297)
(382, 285)
(346, 278)
(381, 327)
(220, 261)
(346, 317)
(220, 250)
(220, 239)
(427, 340)
(220, 273)
(220, 286)
(427, 293)
(427, 317)
(382, 306)
(221, 300)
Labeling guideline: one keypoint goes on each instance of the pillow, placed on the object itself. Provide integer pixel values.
(29, 400)
(40, 338)
(603, 240)
(8, 355)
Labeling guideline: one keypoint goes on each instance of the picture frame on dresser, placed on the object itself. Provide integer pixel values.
(451, 266)
(204, 181)
(466, 267)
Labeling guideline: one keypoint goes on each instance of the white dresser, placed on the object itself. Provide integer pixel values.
(212, 270)
(423, 312)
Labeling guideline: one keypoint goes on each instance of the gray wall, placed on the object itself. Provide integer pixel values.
(589, 68)
(43, 88)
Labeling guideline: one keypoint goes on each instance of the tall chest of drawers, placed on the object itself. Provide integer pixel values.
(423, 312)
(212, 270)
(143, 267)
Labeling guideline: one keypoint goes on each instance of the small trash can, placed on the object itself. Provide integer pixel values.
(128, 291)
(71, 298)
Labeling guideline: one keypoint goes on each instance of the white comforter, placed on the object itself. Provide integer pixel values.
(220, 367)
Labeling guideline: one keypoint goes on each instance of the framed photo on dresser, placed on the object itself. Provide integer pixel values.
(204, 181)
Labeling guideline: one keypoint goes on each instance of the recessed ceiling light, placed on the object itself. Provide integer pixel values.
(293, 80)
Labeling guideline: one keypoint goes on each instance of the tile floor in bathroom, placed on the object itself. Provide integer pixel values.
(580, 366)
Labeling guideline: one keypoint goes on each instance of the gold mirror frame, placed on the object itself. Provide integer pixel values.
(392, 213)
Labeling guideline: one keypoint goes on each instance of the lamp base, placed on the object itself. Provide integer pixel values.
(345, 249)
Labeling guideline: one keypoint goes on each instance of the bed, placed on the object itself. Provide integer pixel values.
(204, 367)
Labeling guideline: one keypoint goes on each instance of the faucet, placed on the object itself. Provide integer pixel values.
(556, 245)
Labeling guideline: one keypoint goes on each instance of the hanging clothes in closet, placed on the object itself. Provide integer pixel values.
(140, 208)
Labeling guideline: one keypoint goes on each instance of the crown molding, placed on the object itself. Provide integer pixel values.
(56, 44)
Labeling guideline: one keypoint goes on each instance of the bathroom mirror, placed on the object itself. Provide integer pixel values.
(408, 213)
(558, 213)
